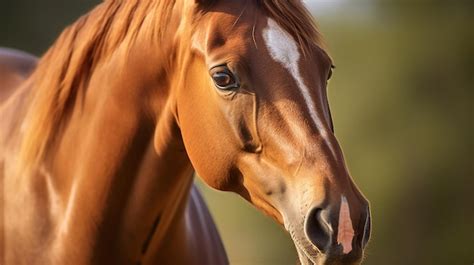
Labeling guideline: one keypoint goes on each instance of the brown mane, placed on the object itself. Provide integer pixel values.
(66, 68)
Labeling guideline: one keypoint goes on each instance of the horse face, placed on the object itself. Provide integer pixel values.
(255, 120)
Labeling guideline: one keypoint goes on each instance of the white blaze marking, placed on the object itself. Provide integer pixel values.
(345, 231)
(284, 49)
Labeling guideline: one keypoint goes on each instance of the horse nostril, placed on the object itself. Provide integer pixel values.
(318, 230)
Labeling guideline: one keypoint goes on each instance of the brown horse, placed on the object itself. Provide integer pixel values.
(99, 140)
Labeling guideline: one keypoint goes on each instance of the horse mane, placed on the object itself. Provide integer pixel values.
(65, 70)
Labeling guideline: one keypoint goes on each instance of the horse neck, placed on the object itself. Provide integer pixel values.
(120, 155)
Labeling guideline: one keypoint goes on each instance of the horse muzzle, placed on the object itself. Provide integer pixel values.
(332, 235)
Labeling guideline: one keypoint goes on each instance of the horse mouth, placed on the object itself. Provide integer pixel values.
(308, 254)
(308, 257)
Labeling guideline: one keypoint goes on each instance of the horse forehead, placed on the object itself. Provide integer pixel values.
(224, 30)
(281, 45)
(283, 49)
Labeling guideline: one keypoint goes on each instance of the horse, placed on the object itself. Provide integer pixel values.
(100, 138)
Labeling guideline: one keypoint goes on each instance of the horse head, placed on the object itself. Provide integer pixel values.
(252, 109)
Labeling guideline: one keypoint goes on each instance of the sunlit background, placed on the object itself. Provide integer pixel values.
(402, 103)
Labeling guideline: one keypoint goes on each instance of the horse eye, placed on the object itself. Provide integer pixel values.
(224, 79)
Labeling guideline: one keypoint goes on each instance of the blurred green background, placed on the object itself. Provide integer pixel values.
(402, 103)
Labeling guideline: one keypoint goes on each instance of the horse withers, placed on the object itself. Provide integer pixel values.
(99, 140)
